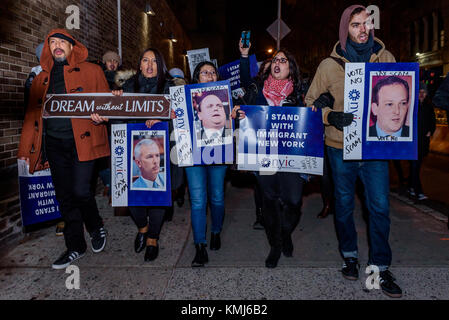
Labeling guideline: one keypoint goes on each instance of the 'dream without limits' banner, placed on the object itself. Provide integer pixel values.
(284, 139)
(129, 105)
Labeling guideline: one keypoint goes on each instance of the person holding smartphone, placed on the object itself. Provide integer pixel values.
(279, 85)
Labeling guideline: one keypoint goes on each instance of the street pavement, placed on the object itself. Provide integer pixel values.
(419, 239)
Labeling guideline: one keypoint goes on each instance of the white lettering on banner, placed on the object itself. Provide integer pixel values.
(183, 147)
(354, 103)
(119, 164)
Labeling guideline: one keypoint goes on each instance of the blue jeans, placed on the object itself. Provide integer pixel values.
(374, 176)
(206, 182)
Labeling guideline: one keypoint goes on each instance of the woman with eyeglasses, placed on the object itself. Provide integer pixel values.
(279, 85)
(152, 77)
(205, 183)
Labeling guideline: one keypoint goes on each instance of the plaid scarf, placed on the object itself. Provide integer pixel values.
(275, 91)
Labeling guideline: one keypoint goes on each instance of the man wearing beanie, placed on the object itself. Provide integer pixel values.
(68, 146)
(111, 60)
(357, 44)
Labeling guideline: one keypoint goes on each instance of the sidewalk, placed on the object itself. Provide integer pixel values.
(420, 245)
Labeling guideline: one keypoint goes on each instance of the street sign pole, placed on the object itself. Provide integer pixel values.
(279, 26)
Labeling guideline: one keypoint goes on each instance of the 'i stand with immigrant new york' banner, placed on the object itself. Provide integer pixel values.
(286, 139)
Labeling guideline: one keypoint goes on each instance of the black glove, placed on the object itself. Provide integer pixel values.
(324, 100)
(340, 119)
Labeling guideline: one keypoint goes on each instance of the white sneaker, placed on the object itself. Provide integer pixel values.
(411, 192)
(422, 196)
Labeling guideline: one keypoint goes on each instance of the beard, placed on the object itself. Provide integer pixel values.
(61, 59)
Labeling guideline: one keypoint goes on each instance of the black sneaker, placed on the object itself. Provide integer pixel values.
(98, 240)
(388, 285)
(66, 259)
(350, 269)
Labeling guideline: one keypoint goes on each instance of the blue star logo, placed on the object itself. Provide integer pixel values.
(265, 162)
(354, 95)
(179, 112)
(119, 150)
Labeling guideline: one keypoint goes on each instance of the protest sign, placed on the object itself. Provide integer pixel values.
(140, 165)
(384, 100)
(128, 105)
(203, 126)
(284, 139)
(231, 72)
(197, 56)
(37, 195)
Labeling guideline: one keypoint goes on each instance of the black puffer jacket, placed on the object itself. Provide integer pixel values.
(149, 85)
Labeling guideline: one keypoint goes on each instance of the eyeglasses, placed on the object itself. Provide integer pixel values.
(281, 60)
(205, 73)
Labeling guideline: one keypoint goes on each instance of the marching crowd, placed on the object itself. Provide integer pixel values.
(73, 147)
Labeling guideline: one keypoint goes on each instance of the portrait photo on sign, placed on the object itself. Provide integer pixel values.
(391, 103)
(212, 116)
(148, 167)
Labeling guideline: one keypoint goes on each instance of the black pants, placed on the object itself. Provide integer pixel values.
(327, 186)
(72, 180)
(414, 178)
(282, 200)
(153, 217)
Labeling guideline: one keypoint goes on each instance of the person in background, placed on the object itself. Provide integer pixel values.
(245, 82)
(426, 128)
(111, 61)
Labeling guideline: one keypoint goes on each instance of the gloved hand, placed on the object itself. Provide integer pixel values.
(340, 119)
(324, 100)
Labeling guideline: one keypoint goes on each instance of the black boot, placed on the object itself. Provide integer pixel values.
(200, 256)
(258, 224)
(215, 242)
(168, 216)
(287, 245)
(273, 257)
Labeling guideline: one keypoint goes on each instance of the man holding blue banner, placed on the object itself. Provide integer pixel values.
(357, 44)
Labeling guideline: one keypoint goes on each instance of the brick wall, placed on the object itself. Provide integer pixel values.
(25, 23)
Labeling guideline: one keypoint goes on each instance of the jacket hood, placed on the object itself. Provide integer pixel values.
(79, 52)
(344, 25)
(378, 48)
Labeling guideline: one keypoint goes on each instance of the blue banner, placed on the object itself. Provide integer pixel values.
(384, 100)
(231, 72)
(286, 139)
(37, 196)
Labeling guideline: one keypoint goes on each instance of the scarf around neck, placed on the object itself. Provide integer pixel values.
(275, 91)
(359, 52)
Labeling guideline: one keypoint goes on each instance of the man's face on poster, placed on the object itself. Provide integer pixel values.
(392, 108)
(212, 113)
(149, 161)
